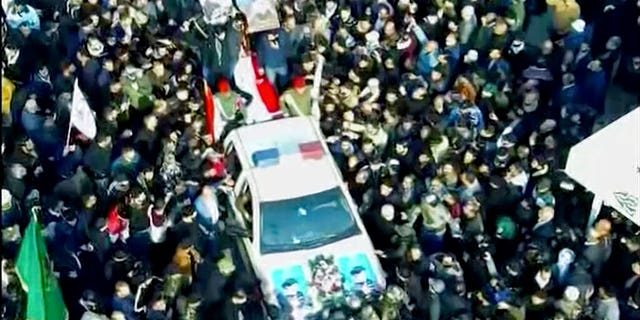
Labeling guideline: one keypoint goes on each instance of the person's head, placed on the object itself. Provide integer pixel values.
(387, 212)
(495, 54)
(408, 182)
(289, 22)
(103, 140)
(308, 65)
(471, 209)
(138, 197)
(24, 28)
(89, 201)
(606, 292)
(117, 315)
(159, 304)
(603, 227)
(188, 214)
(298, 83)
(571, 293)
(431, 46)
(436, 75)
(223, 86)
(122, 289)
(31, 106)
(18, 171)
(128, 153)
(115, 87)
(448, 169)
(546, 213)
(346, 146)
(158, 67)
(368, 147)
(182, 94)
(635, 267)
(178, 55)
(401, 148)
(239, 296)
(451, 40)
(468, 178)
(468, 12)
(389, 28)
(544, 273)
(566, 256)
(500, 27)
(547, 47)
(539, 298)
(151, 122)
(89, 300)
(345, 13)
(415, 254)
(386, 188)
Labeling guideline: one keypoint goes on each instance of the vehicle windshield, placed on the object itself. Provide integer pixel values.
(306, 222)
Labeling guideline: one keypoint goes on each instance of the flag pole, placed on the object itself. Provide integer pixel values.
(68, 133)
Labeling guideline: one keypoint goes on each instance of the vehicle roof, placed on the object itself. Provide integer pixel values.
(284, 133)
(292, 176)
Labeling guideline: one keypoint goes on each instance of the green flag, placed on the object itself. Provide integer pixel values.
(44, 298)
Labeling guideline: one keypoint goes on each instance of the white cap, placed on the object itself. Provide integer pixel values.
(578, 25)
(472, 55)
(372, 36)
(572, 293)
(31, 105)
(373, 82)
(467, 12)
(6, 198)
(436, 285)
(386, 209)
(95, 47)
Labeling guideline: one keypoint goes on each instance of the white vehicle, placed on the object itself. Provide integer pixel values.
(307, 240)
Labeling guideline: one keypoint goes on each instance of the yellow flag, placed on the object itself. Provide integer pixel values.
(7, 93)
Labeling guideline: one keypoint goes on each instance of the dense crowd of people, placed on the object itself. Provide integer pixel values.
(449, 120)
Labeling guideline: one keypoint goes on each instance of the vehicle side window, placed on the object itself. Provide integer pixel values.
(244, 204)
(232, 162)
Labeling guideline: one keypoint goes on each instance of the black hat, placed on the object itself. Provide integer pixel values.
(502, 154)
(186, 243)
(497, 182)
(544, 185)
(120, 255)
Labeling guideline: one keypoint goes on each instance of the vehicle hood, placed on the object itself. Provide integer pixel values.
(348, 262)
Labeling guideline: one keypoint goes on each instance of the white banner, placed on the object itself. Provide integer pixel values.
(216, 12)
(607, 163)
(262, 15)
(82, 117)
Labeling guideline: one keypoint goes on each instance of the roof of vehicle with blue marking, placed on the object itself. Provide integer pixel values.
(285, 135)
(288, 158)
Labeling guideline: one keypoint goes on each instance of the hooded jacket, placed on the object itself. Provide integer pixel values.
(426, 60)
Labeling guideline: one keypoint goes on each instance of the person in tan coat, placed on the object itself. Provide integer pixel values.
(564, 12)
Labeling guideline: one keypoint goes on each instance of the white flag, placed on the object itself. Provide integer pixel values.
(245, 78)
(82, 116)
(315, 91)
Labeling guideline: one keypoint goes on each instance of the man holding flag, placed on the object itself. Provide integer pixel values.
(224, 110)
(44, 297)
(82, 117)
